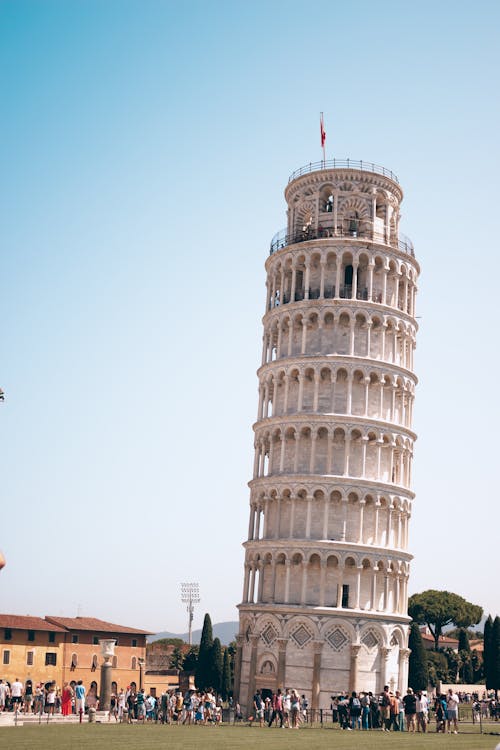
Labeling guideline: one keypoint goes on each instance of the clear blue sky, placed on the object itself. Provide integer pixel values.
(145, 147)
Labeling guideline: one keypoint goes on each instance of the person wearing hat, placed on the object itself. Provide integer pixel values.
(410, 703)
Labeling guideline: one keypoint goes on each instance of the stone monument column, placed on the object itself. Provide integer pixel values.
(108, 651)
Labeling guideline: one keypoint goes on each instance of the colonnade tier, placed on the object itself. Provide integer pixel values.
(330, 330)
(327, 580)
(334, 450)
(307, 272)
(324, 387)
(349, 516)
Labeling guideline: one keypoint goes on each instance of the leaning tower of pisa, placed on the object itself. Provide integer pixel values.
(324, 605)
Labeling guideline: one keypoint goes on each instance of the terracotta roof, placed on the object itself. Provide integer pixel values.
(443, 639)
(92, 623)
(476, 644)
(26, 622)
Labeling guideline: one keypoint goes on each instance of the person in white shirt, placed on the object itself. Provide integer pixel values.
(4, 691)
(16, 692)
(452, 701)
(422, 711)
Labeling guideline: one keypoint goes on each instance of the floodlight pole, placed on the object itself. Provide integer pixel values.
(190, 595)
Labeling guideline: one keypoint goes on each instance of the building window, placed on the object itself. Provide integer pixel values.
(7, 634)
(114, 662)
(52, 637)
(74, 639)
(134, 663)
(50, 659)
(95, 640)
(30, 658)
(6, 657)
(134, 642)
(74, 662)
(94, 663)
(31, 635)
(116, 641)
(345, 595)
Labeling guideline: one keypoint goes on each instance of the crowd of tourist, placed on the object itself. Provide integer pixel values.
(389, 711)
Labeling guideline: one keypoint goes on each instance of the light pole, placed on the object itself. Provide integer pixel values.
(190, 595)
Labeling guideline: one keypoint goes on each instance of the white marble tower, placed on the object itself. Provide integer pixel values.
(324, 603)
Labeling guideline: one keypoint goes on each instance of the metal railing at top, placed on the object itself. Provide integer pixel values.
(281, 239)
(365, 166)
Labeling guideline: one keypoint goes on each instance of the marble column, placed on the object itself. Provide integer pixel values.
(316, 678)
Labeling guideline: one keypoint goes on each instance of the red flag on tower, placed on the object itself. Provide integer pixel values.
(322, 131)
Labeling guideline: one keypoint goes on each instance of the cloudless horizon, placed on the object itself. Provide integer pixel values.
(145, 147)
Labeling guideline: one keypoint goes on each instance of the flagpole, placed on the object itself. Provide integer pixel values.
(323, 137)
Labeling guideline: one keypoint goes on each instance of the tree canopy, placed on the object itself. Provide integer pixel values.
(436, 609)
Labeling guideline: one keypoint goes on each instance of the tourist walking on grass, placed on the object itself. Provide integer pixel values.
(452, 701)
(355, 710)
(277, 709)
(258, 706)
(410, 703)
(294, 708)
(422, 711)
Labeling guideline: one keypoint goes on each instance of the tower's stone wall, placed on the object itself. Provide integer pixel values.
(324, 603)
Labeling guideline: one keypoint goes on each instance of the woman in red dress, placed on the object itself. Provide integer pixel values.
(66, 699)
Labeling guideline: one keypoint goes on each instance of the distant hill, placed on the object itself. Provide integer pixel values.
(224, 631)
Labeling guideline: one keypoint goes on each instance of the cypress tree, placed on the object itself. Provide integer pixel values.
(465, 656)
(204, 665)
(417, 674)
(495, 655)
(488, 627)
(216, 665)
(226, 676)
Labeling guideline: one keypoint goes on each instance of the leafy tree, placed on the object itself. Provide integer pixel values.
(191, 659)
(204, 670)
(477, 666)
(225, 687)
(438, 667)
(488, 627)
(471, 634)
(170, 642)
(216, 665)
(436, 609)
(464, 654)
(176, 659)
(418, 673)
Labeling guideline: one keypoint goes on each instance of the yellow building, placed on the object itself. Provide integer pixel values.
(67, 648)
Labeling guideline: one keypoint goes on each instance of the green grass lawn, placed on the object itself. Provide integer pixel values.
(156, 737)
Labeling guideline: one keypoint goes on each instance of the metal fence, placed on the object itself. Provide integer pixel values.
(366, 166)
